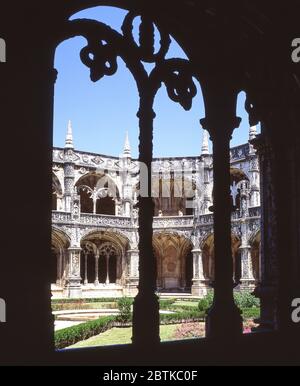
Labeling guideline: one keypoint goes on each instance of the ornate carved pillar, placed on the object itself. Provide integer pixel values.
(96, 282)
(94, 205)
(74, 279)
(86, 253)
(199, 287)
(146, 306)
(68, 169)
(267, 286)
(224, 319)
(247, 278)
(107, 268)
(59, 268)
(133, 273)
(254, 181)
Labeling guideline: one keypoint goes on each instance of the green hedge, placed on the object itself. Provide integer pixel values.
(244, 300)
(71, 335)
(251, 313)
(83, 306)
(178, 317)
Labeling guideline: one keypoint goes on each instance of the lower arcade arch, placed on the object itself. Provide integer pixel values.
(174, 258)
(103, 258)
(208, 258)
(255, 244)
(60, 243)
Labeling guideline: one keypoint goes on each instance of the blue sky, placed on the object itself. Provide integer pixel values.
(102, 112)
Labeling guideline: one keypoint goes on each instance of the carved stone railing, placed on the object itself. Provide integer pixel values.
(61, 217)
(105, 220)
(173, 222)
(120, 222)
(158, 222)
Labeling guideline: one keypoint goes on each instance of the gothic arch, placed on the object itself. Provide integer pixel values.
(98, 193)
(115, 266)
(60, 243)
(57, 191)
(208, 256)
(172, 253)
(255, 244)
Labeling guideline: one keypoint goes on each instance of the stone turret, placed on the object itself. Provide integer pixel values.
(69, 176)
(127, 191)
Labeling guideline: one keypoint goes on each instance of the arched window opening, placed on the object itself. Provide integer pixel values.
(60, 243)
(56, 193)
(182, 261)
(98, 194)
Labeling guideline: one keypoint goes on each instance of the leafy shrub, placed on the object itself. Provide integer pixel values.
(180, 317)
(124, 306)
(205, 303)
(245, 299)
(71, 335)
(251, 313)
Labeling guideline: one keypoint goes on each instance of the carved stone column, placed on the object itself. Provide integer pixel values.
(254, 181)
(68, 178)
(133, 273)
(224, 319)
(146, 306)
(107, 268)
(59, 268)
(96, 282)
(247, 278)
(267, 286)
(86, 253)
(74, 279)
(199, 287)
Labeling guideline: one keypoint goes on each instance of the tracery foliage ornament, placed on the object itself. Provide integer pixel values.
(104, 46)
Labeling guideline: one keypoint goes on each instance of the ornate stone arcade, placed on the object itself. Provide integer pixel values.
(95, 221)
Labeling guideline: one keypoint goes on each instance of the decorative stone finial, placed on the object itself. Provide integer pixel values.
(127, 148)
(69, 137)
(205, 146)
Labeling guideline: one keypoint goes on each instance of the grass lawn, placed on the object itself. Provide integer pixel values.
(118, 335)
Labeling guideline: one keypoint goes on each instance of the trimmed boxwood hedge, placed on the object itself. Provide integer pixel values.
(71, 335)
(83, 306)
(184, 316)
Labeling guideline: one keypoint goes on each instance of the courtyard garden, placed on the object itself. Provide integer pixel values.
(100, 322)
